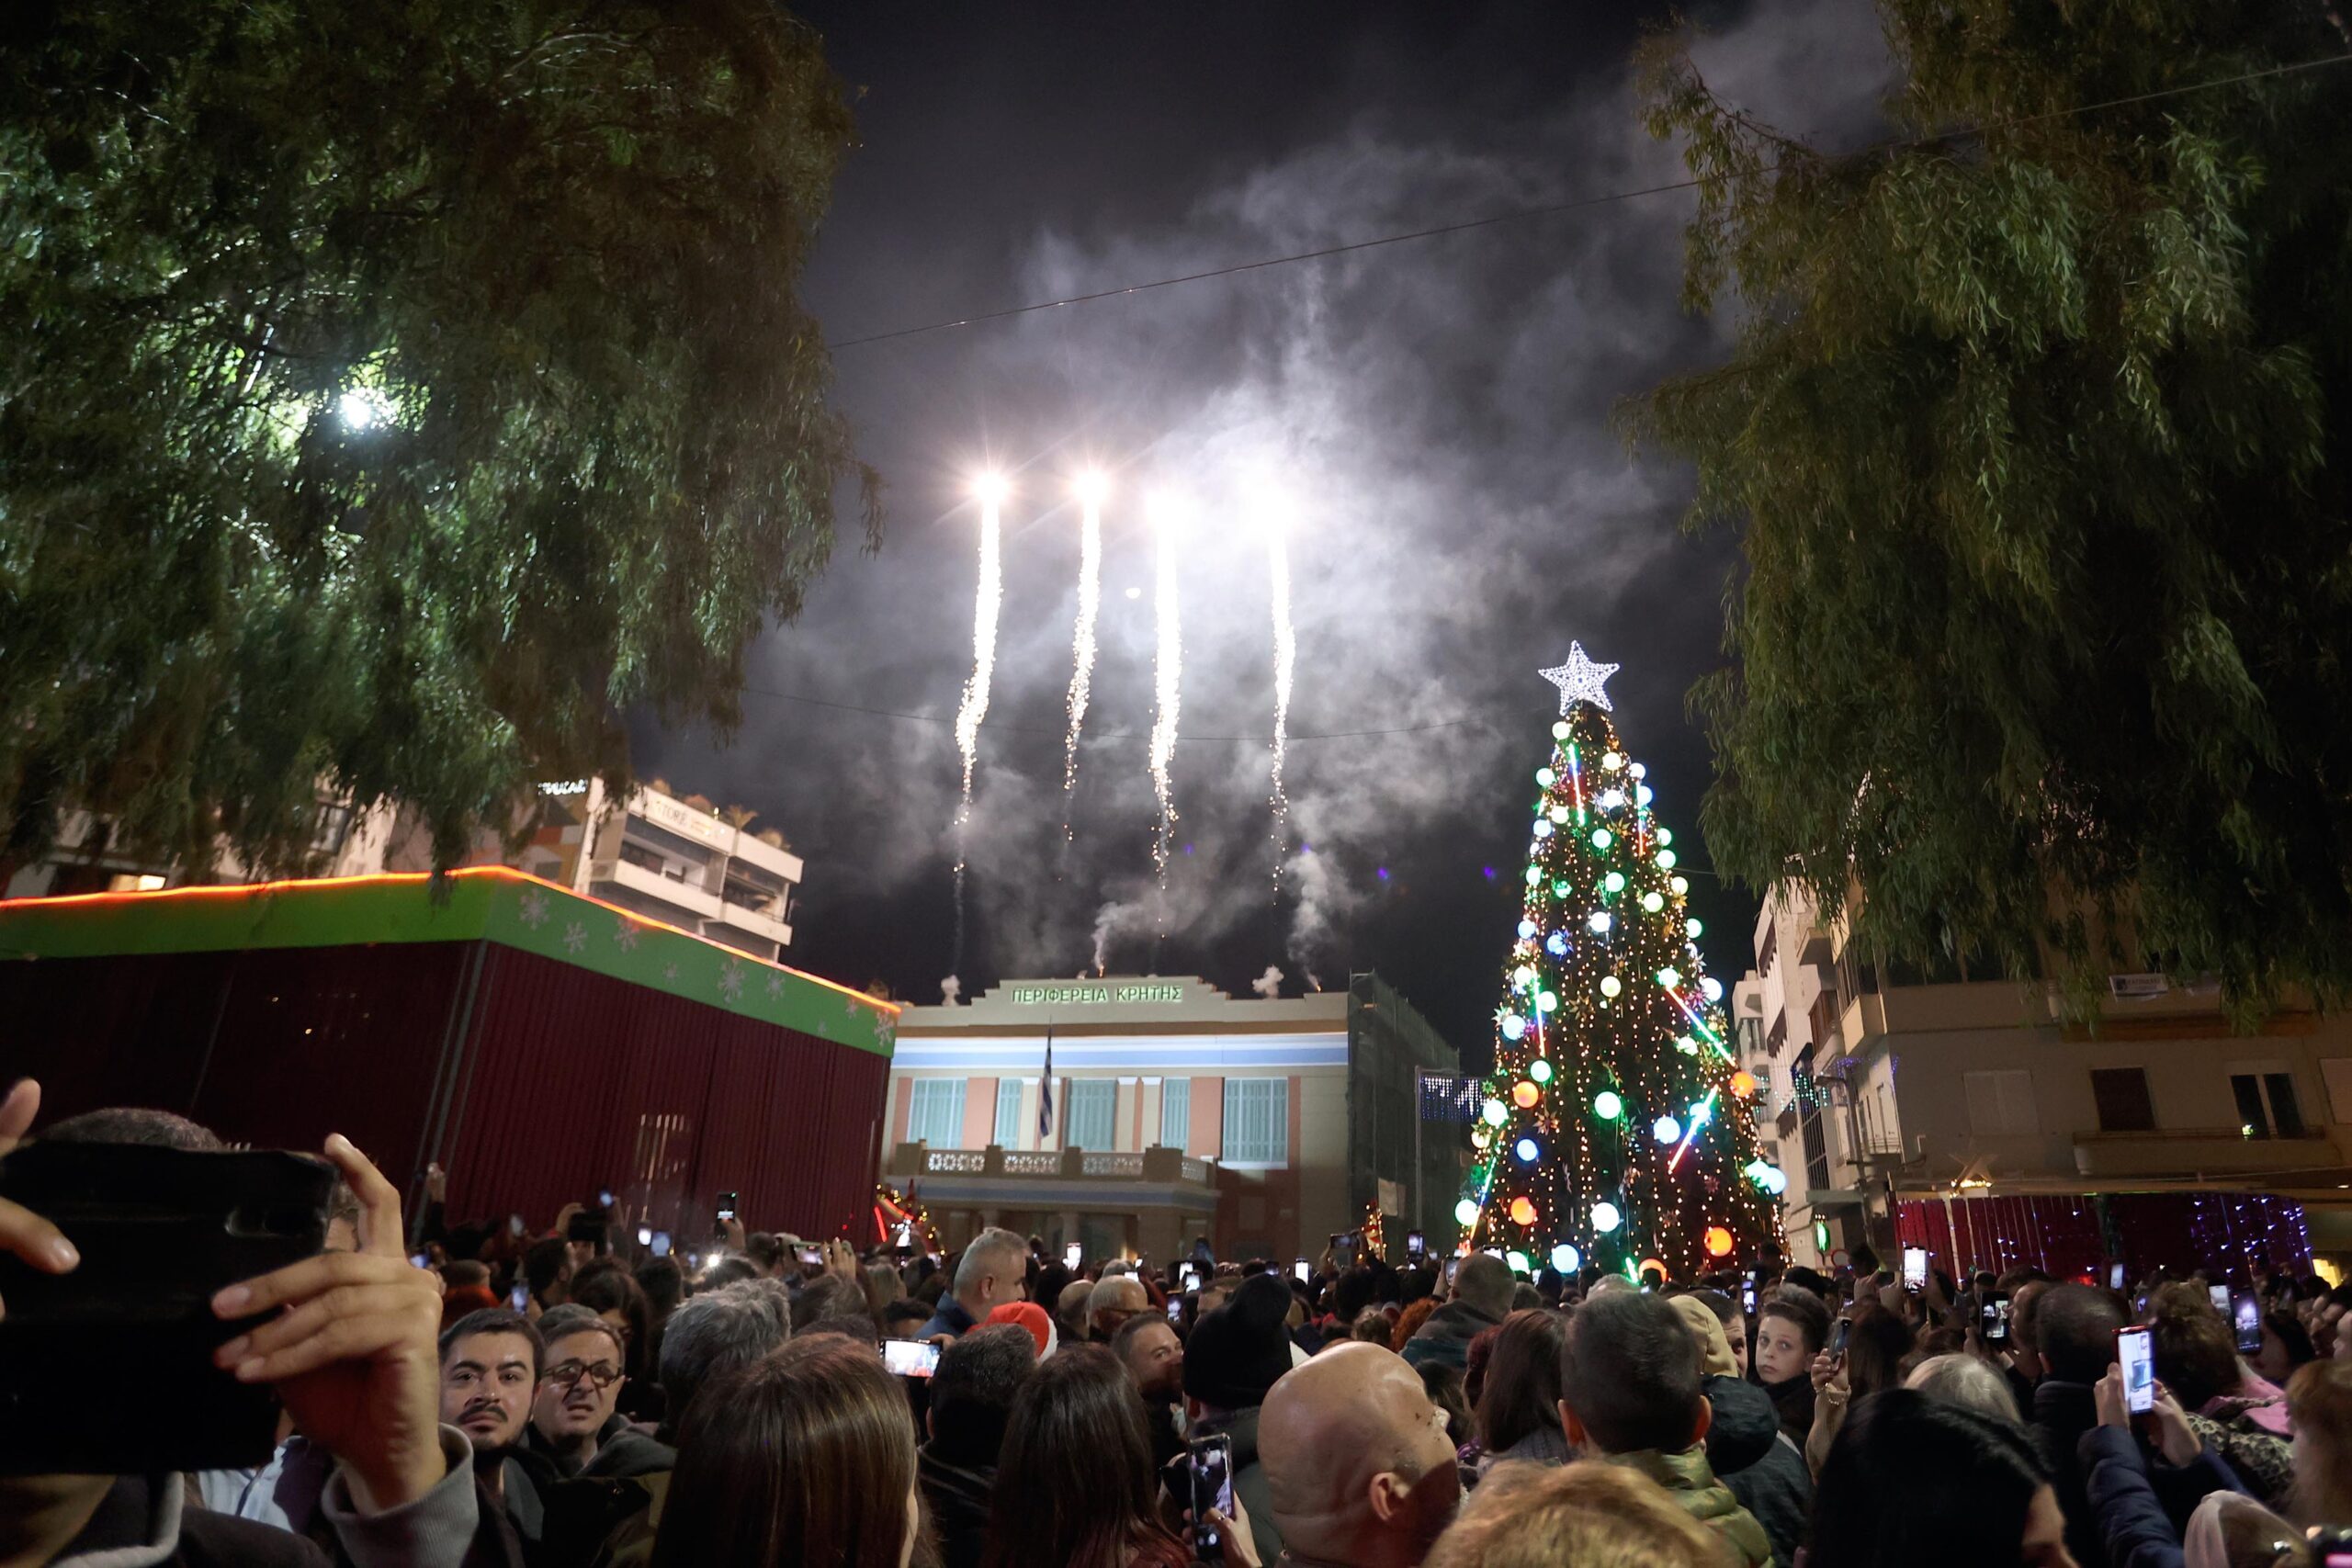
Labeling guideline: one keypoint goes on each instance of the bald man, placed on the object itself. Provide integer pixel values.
(1114, 1299)
(1358, 1469)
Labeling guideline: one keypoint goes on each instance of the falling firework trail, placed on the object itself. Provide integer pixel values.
(1081, 676)
(974, 708)
(1169, 670)
(1285, 655)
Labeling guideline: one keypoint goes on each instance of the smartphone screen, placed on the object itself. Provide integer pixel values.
(419, 1260)
(645, 1235)
(1914, 1267)
(910, 1357)
(1302, 1271)
(604, 1197)
(1212, 1465)
(1838, 1336)
(1417, 1245)
(660, 1243)
(2246, 1311)
(811, 1257)
(1747, 1298)
(2220, 1298)
(1072, 1256)
(2135, 1352)
(2115, 1275)
(726, 1207)
(1993, 1317)
(519, 1298)
(515, 1225)
(1175, 1308)
(1188, 1278)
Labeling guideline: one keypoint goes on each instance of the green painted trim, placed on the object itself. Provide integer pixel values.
(492, 903)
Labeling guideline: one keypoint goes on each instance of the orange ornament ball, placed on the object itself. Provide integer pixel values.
(1524, 1095)
(1718, 1242)
(1743, 1084)
(1522, 1210)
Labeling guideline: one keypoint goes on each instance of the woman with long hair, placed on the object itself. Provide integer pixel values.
(1518, 1405)
(1876, 1343)
(805, 1456)
(1075, 1486)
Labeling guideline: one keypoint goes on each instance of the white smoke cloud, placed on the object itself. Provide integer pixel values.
(1269, 985)
(951, 990)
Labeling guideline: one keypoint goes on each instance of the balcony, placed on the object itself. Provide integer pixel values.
(753, 920)
(654, 886)
(1155, 1165)
(2206, 1154)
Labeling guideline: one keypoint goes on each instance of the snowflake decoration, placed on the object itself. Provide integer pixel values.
(1580, 680)
(776, 985)
(575, 937)
(849, 1007)
(624, 933)
(882, 1028)
(669, 971)
(534, 908)
(730, 980)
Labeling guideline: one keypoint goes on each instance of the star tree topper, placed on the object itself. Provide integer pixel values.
(1580, 680)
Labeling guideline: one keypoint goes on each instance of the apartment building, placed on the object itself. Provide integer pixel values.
(1969, 1108)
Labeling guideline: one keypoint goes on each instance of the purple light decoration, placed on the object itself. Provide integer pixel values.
(1382, 874)
(1490, 874)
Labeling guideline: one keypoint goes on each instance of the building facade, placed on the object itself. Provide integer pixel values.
(1895, 1094)
(647, 851)
(1173, 1113)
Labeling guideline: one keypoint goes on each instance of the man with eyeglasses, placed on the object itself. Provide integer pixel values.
(574, 1425)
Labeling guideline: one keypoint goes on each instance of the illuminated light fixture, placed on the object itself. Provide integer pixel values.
(1602, 838)
(1703, 1112)
(1523, 976)
(1642, 795)
(1665, 835)
(1680, 885)
(1526, 1150)
(1611, 985)
(1613, 883)
(1652, 902)
(1610, 761)
(1546, 777)
(1565, 1259)
(1522, 1210)
(1466, 1211)
(1495, 1114)
(1524, 1095)
(1513, 1026)
(1518, 1261)
(1556, 945)
(1540, 1069)
(362, 408)
(1669, 977)
(1666, 1130)
(1665, 860)
(1533, 876)
(1743, 1084)
(1687, 1045)
(991, 489)
(1821, 1237)
(1693, 927)
(1091, 487)
(1718, 1242)
(1606, 1105)
(1547, 1002)
(1712, 988)
(1480, 1137)
(1776, 1180)
(1597, 920)
(1610, 799)
(1526, 929)
(1605, 1218)
(1560, 729)
(1639, 770)
(1542, 829)
(1559, 814)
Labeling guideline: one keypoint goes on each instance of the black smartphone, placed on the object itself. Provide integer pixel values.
(2246, 1312)
(910, 1357)
(726, 1212)
(1840, 1334)
(1914, 1267)
(1211, 1461)
(586, 1227)
(1993, 1317)
(108, 1371)
(1416, 1247)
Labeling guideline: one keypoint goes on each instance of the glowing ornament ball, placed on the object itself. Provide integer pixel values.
(1606, 1105)
(1718, 1242)
(1522, 1210)
(1743, 1084)
(1524, 1095)
(1566, 1259)
(1466, 1211)
(1605, 1218)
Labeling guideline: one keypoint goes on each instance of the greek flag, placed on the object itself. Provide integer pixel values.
(1045, 1093)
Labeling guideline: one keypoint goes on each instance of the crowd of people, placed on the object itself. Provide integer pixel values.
(560, 1401)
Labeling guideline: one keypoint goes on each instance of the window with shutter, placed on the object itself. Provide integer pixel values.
(936, 1112)
(2121, 1095)
(1008, 1113)
(1175, 1112)
(1257, 1122)
(1093, 1106)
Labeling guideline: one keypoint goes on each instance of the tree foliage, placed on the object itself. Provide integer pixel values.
(2035, 428)
(392, 395)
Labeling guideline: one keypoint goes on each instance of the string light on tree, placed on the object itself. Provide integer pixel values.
(1616, 1127)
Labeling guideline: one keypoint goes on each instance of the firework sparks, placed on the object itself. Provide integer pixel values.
(1089, 488)
(988, 601)
(1169, 673)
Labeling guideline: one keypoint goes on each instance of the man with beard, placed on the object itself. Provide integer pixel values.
(1154, 1357)
(490, 1369)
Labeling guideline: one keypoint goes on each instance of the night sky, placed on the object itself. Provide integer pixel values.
(1437, 413)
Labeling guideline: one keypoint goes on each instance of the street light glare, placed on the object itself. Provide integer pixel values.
(1090, 486)
(989, 488)
(359, 409)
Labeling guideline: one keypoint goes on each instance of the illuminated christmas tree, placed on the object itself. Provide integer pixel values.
(1617, 1127)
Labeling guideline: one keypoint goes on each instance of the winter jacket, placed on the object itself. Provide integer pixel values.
(621, 1451)
(1248, 1478)
(2063, 1412)
(1692, 1484)
(2137, 1529)
(1445, 1338)
(1545, 1445)
(1792, 1398)
(1760, 1464)
(958, 1499)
